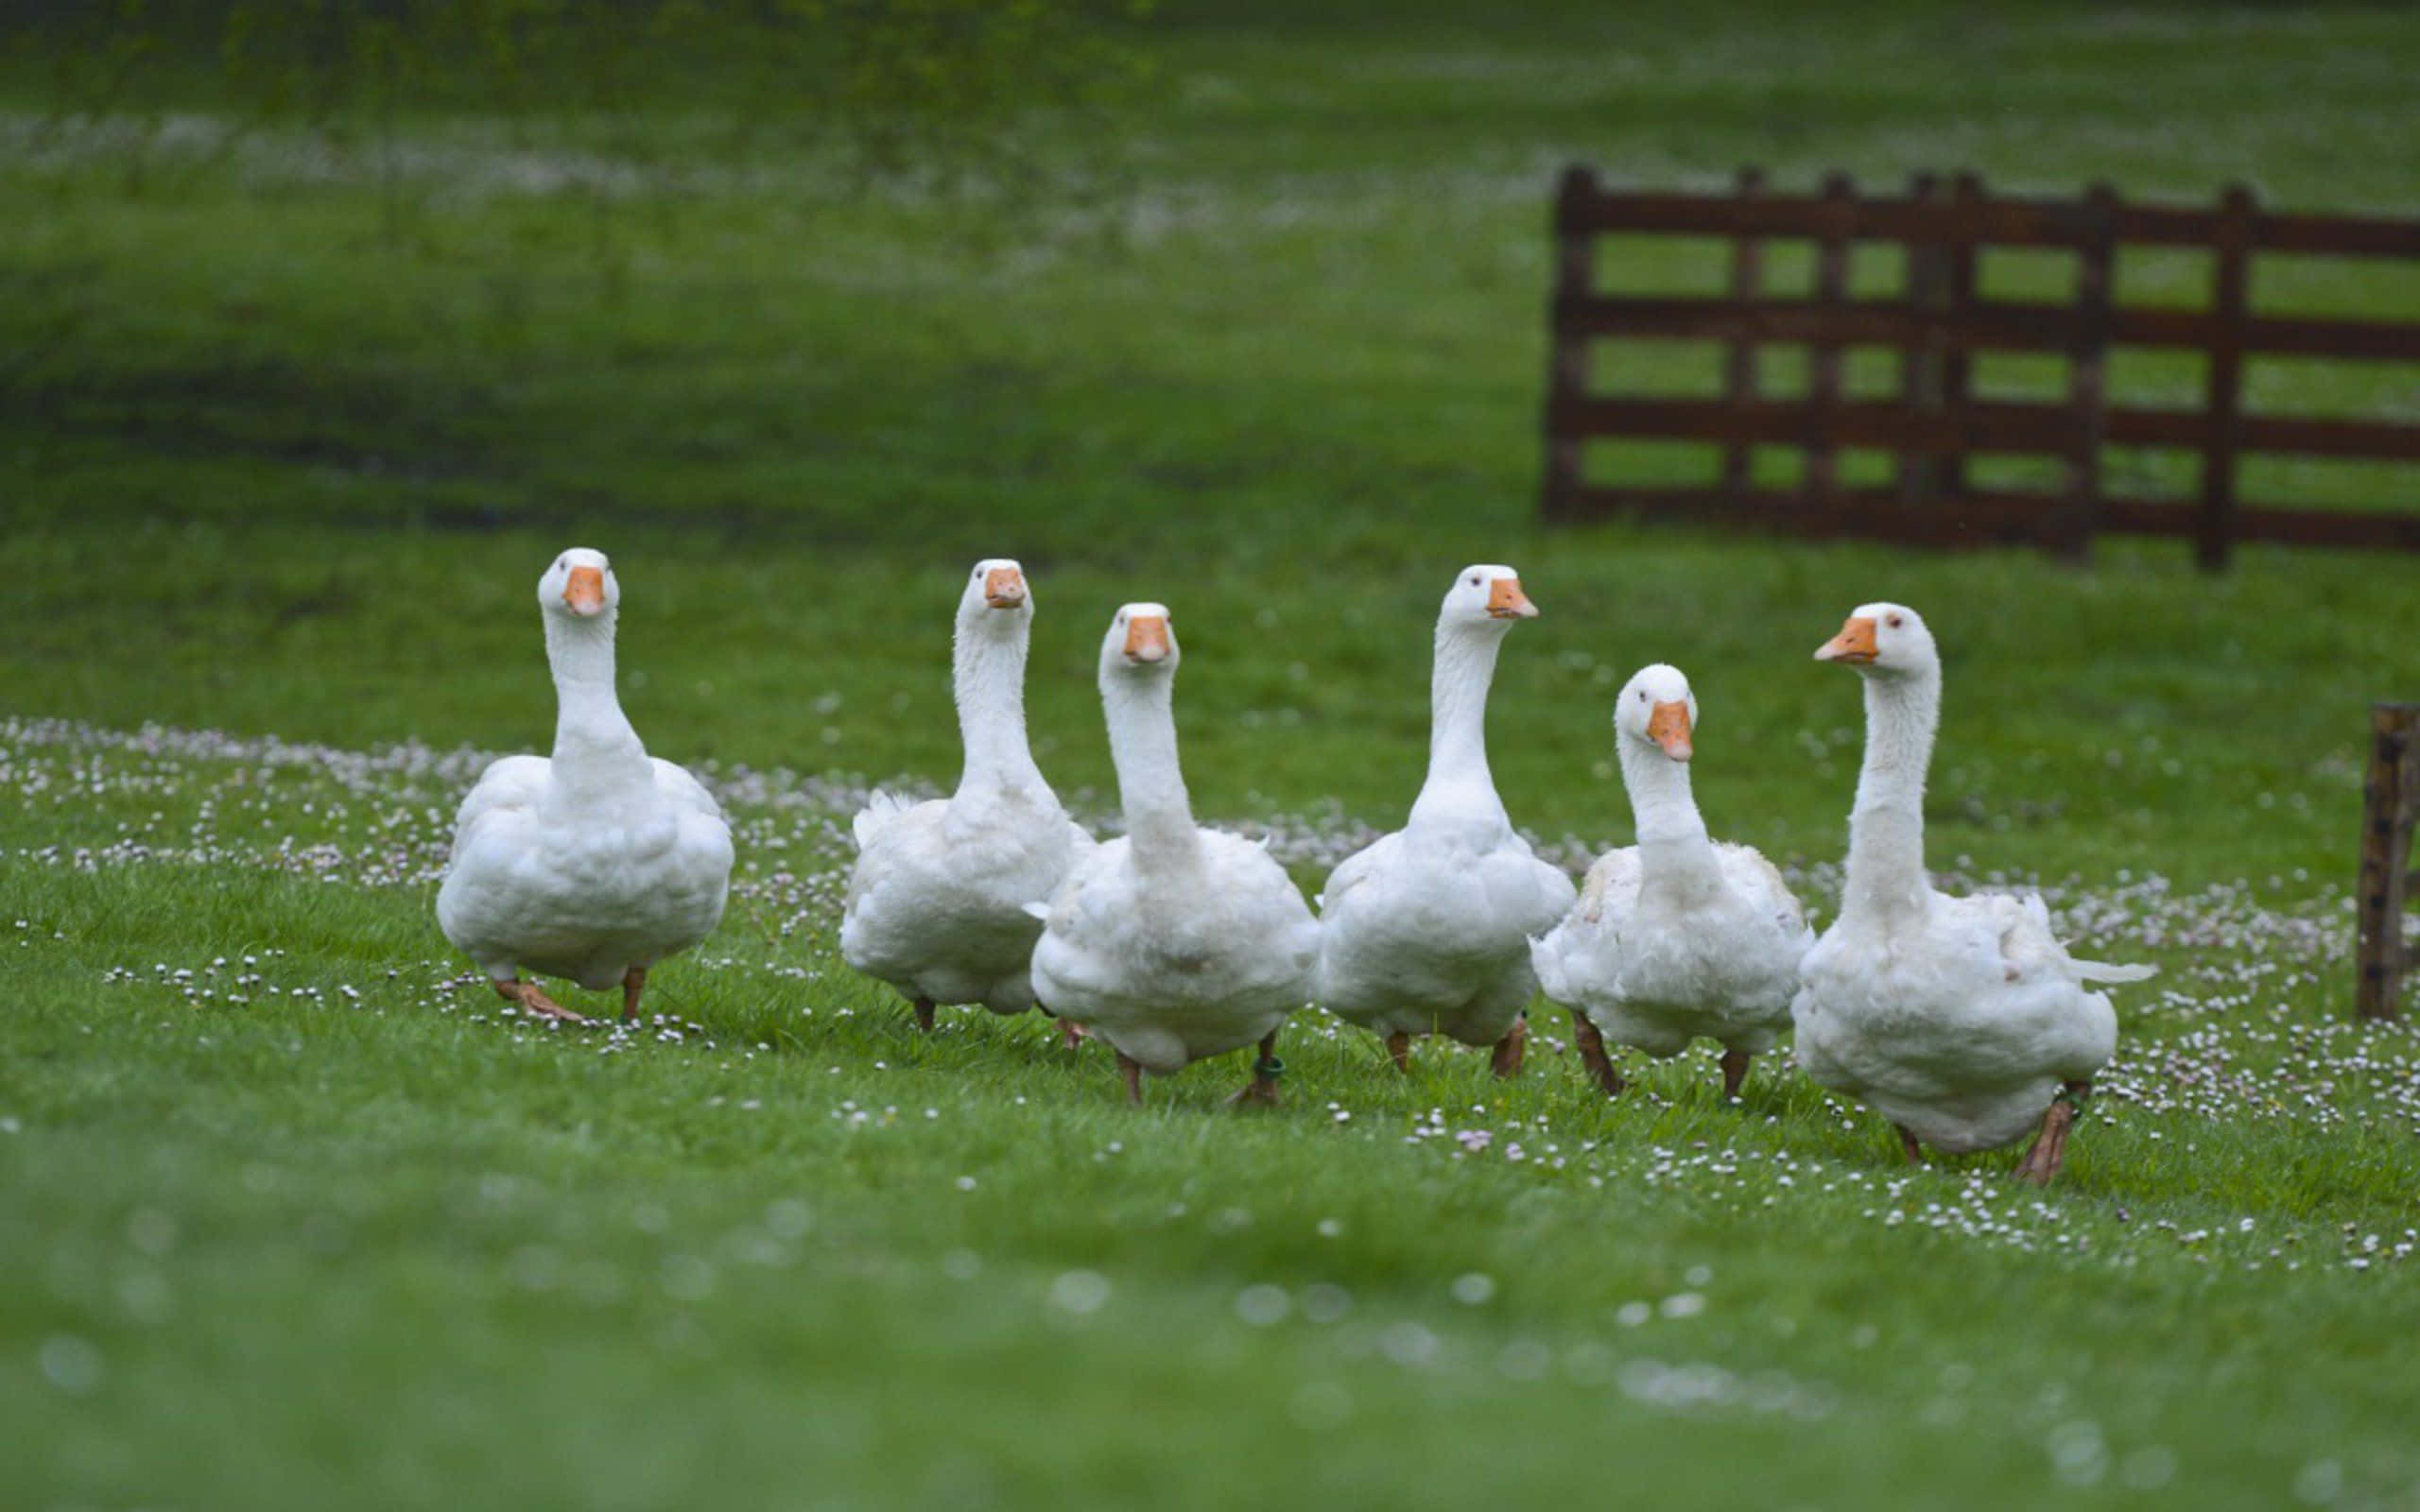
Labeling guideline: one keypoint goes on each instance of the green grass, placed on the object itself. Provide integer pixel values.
(361, 1237)
(270, 466)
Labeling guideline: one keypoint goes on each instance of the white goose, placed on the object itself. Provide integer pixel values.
(1676, 936)
(1173, 942)
(1960, 1020)
(598, 862)
(936, 904)
(1428, 930)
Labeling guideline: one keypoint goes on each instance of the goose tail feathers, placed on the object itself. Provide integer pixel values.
(2104, 971)
(881, 812)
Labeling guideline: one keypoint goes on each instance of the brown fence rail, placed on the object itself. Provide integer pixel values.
(1938, 323)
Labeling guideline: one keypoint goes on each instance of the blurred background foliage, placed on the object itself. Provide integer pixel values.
(791, 308)
(953, 99)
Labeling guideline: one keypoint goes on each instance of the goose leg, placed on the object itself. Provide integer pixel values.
(1132, 1070)
(1069, 1030)
(1593, 1055)
(924, 1014)
(1914, 1152)
(1261, 1092)
(1399, 1047)
(532, 1001)
(633, 983)
(1507, 1061)
(2050, 1152)
(1735, 1072)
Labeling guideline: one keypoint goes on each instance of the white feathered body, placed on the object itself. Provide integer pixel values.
(581, 882)
(1958, 1020)
(936, 902)
(1209, 957)
(1655, 967)
(1427, 931)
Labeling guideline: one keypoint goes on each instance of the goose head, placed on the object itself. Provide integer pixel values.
(1486, 596)
(996, 597)
(1139, 644)
(1884, 640)
(1657, 709)
(579, 585)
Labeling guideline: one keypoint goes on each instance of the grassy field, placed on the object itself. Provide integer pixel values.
(289, 1217)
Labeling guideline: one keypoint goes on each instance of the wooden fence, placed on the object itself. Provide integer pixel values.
(1938, 323)
(2391, 801)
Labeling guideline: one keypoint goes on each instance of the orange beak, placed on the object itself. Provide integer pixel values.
(585, 592)
(1668, 727)
(1854, 644)
(1004, 588)
(1147, 639)
(1504, 600)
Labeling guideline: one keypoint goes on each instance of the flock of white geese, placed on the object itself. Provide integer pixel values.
(1963, 1021)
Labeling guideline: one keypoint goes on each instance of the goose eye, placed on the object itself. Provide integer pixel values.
(1894, 622)
(1473, 580)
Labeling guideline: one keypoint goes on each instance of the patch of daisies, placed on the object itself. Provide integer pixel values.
(2216, 1040)
(1972, 1201)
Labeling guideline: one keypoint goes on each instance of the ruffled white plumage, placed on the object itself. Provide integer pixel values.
(591, 862)
(936, 902)
(1173, 942)
(1961, 1024)
(1655, 970)
(1958, 1019)
(1168, 969)
(1427, 929)
(585, 892)
(1428, 933)
(881, 812)
(1678, 937)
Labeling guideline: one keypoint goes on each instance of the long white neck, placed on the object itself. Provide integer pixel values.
(1674, 851)
(597, 752)
(987, 668)
(1459, 787)
(1886, 869)
(1142, 744)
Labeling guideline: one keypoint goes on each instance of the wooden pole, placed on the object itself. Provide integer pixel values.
(2223, 400)
(1824, 357)
(1958, 368)
(2389, 800)
(1920, 362)
(1739, 361)
(1568, 363)
(2087, 391)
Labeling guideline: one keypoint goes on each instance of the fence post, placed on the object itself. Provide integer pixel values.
(2215, 537)
(1920, 362)
(2388, 798)
(2088, 389)
(1567, 347)
(1958, 297)
(1824, 357)
(1739, 362)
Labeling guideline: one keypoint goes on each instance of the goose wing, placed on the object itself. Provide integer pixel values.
(513, 784)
